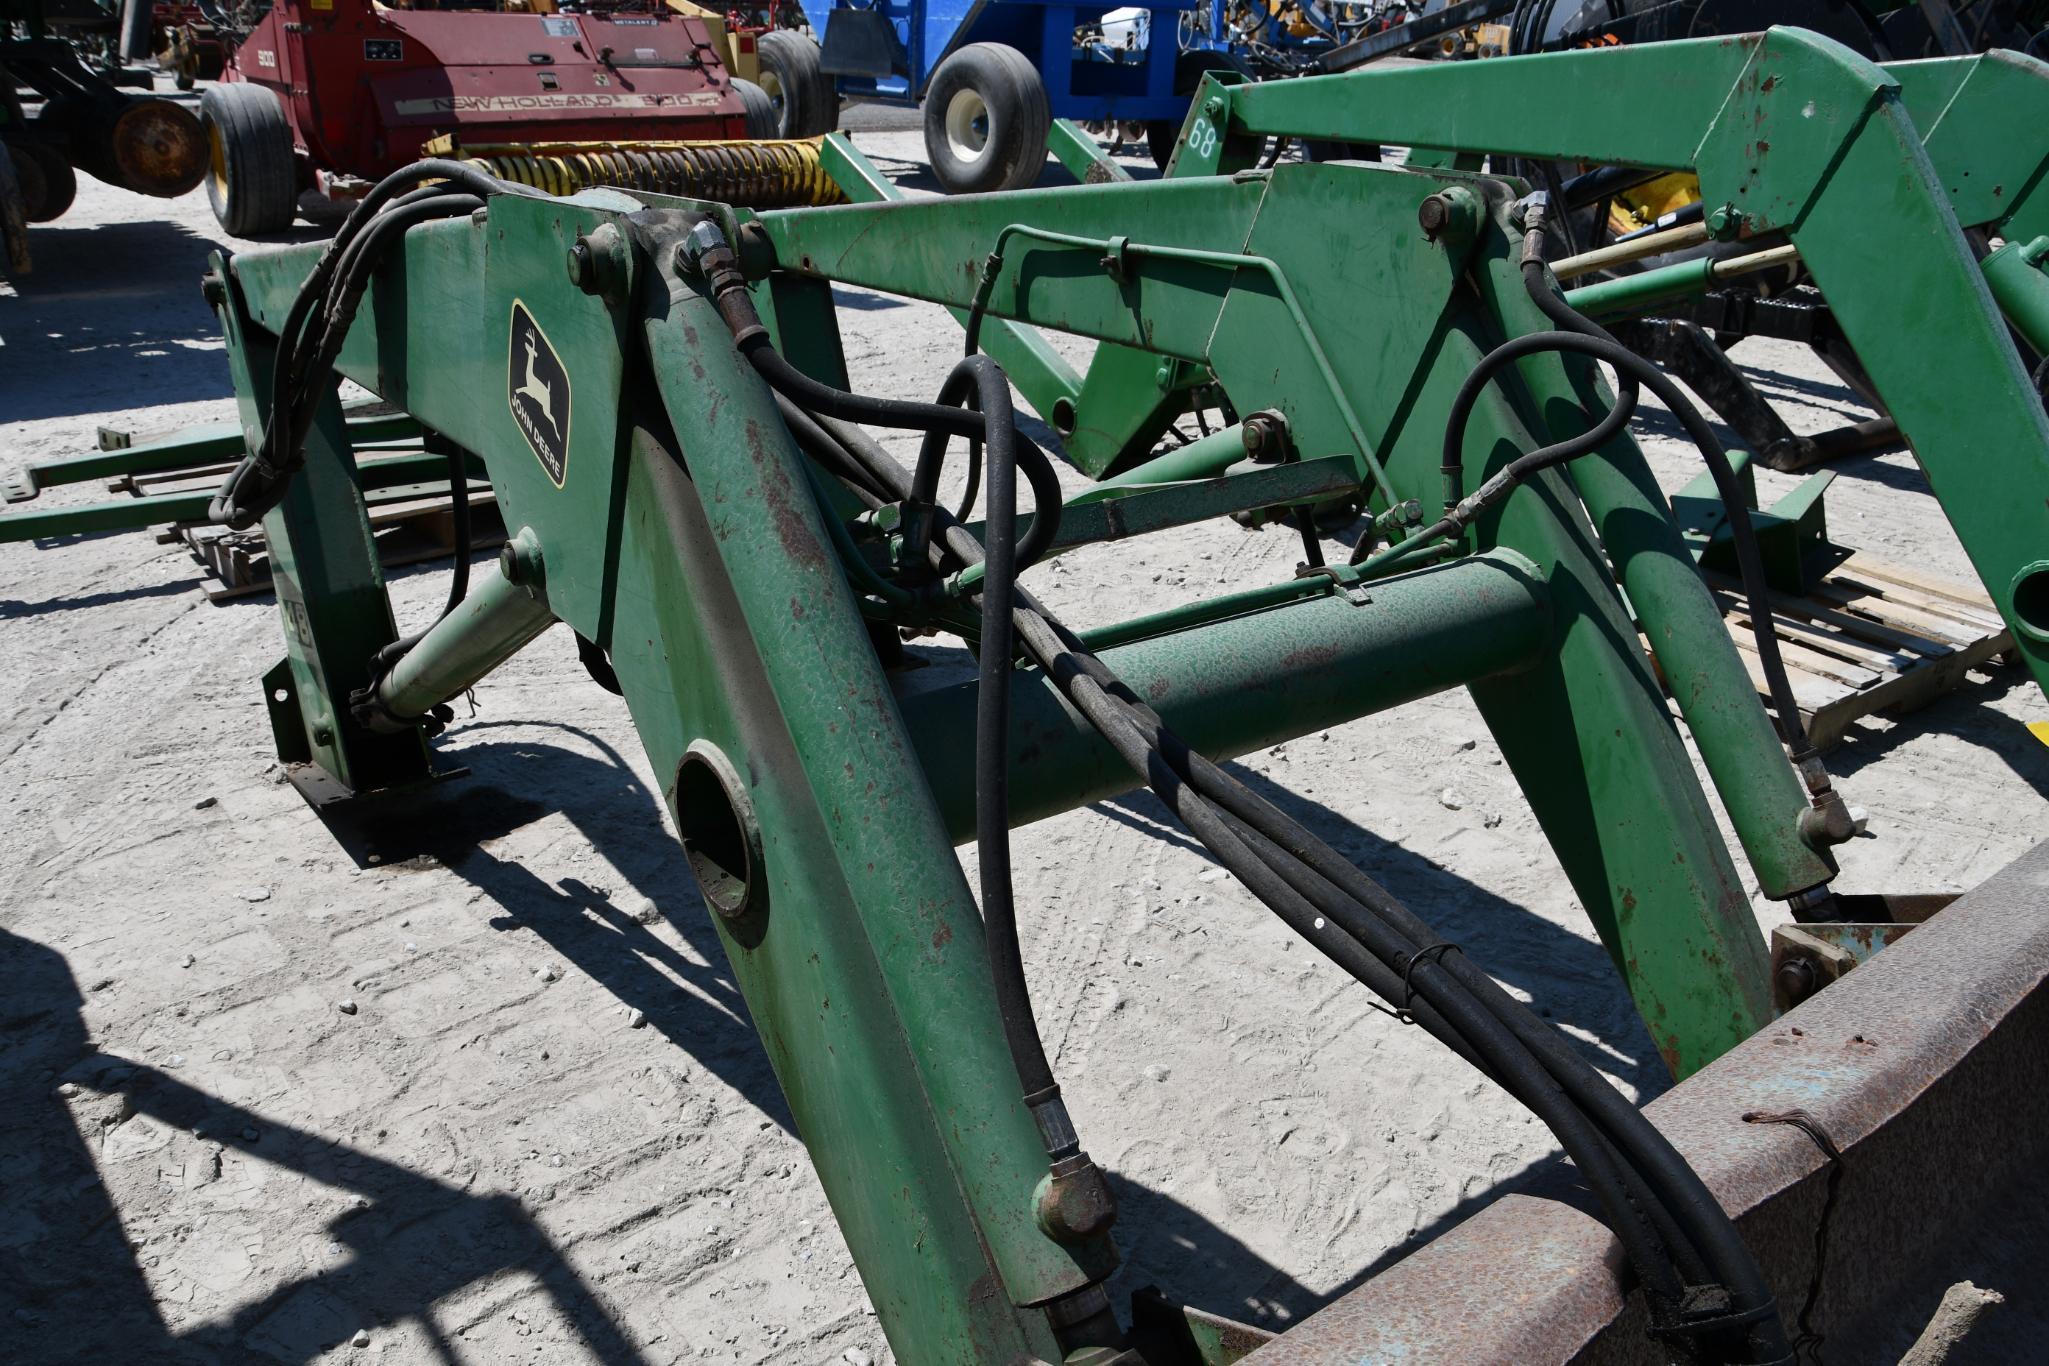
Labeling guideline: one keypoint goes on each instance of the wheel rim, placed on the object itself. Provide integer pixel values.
(967, 125)
(216, 162)
(773, 88)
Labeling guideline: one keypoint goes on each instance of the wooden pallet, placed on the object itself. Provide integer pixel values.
(1870, 637)
(410, 525)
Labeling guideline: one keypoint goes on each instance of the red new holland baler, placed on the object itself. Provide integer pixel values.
(332, 94)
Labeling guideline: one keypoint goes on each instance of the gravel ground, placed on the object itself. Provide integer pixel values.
(203, 1159)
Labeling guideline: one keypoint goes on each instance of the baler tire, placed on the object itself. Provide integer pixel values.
(14, 252)
(789, 70)
(56, 182)
(138, 21)
(762, 120)
(991, 92)
(252, 176)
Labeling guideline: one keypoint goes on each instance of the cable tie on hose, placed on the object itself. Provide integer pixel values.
(1714, 1323)
(1433, 952)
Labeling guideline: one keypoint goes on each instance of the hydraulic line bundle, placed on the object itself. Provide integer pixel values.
(656, 389)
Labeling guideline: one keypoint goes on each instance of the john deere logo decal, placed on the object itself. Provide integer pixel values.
(539, 392)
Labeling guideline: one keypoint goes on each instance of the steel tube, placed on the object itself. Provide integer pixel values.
(1635, 293)
(2015, 274)
(1205, 457)
(1249, 681)
(493, 624)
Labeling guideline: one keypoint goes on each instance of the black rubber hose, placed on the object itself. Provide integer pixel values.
(1668, 1193)
(729, 294)
(1511, 475)
(823, 400)
(828, 451)
(973, 378)
(1742, 534)
(459, 581)
(1622, 1123)
(402, 181)
(1622, 1190)
(282, 450)
(1624, 1126)
(1505, 1061)
(992, 729)
(1711, 1238)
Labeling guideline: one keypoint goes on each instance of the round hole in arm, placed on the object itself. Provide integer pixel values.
(721, 839)
(2031, 601)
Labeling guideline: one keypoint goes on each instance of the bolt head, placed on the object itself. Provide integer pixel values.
(1214, 106)
(1724, 223)
(1796, 981)
(1433, 213)
(582, 269)
(508, 562)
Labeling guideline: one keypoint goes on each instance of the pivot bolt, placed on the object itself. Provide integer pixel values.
(582, 272)
(1266, 437)
(1451, 216)
(1214, 106)
(519, 560)
(601, 263)
(1723, 224)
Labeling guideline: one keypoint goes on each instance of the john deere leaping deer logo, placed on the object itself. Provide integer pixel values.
(538, 387)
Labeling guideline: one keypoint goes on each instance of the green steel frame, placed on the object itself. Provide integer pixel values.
(1873, 173)
(684, 533)
(685, 539)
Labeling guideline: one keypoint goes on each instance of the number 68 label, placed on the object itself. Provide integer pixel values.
(1202, 138)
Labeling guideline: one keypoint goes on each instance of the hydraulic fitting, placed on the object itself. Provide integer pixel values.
(1074, 1202)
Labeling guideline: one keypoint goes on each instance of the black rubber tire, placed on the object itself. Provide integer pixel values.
(1013, 121)
(138, 21)
(252, 177)
(762, 118)
(15, 258)
(56, 183)
(806, 103)
(1189, 68)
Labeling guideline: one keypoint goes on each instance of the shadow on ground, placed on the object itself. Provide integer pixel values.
(71, 1286)
(111, 319)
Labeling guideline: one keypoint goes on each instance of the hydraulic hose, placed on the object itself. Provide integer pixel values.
(1702, 1283)
(974, 378)
(1742, 534)
(1657, 1184)
(306, 358)
(993, 423)
(992, 726)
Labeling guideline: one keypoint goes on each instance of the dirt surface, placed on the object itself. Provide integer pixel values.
(202, 1158)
